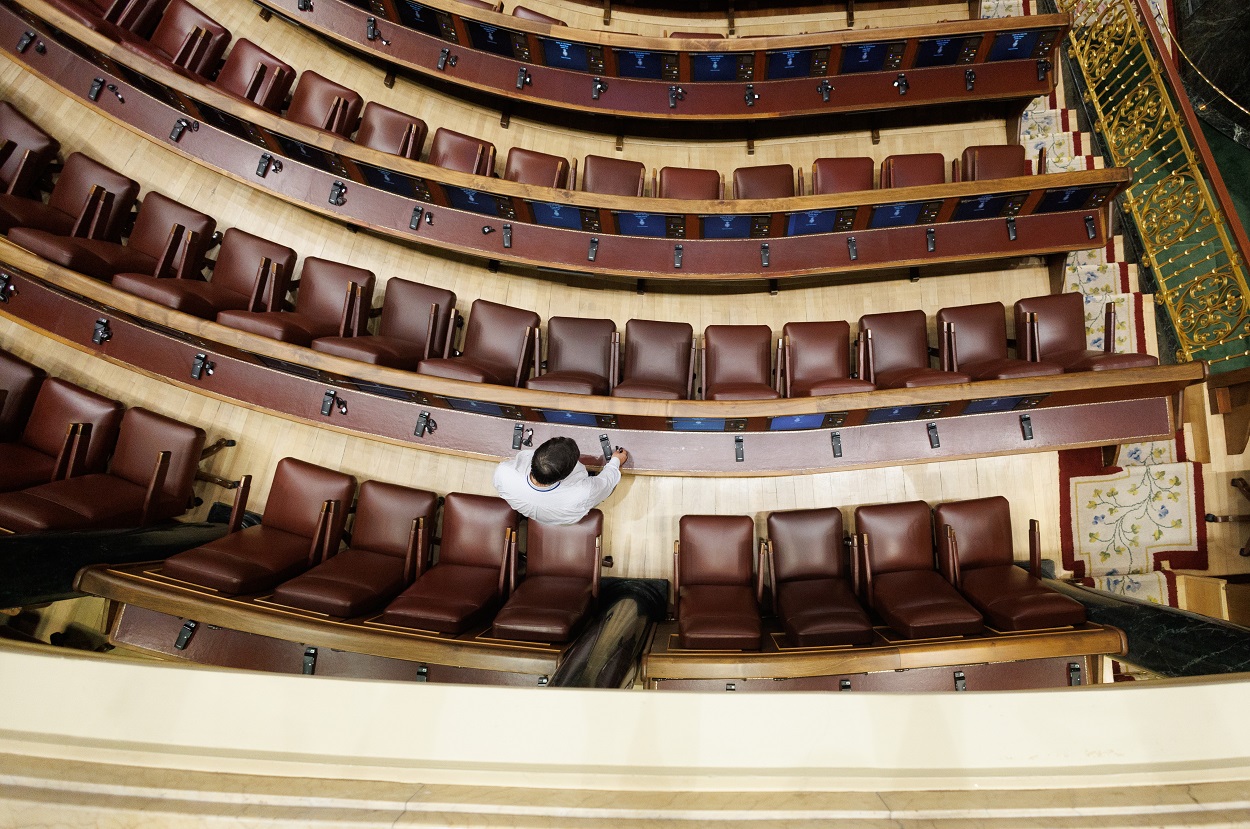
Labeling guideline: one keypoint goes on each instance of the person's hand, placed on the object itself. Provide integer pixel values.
(621, 456)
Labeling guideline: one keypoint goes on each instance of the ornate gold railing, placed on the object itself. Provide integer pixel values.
(1192, 240)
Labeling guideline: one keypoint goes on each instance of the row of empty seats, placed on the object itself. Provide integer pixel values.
(898, 572)
(388, 571)
(71, 459)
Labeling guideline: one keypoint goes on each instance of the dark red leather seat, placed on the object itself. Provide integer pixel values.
(389, 547)
(659, 360)
(322, 104)
(149, 479)
(894, 352)
(974, 342)
(298, 525)
(896, 546)
(463, 589)
(540, 169)
(185, 39)
(981, 163)
(522, 13)
(167, 235)
(690, 183)
(737, 363)
(913, 170)
(771, 181)
(246, 265)
(31, 153)
(414, 326)
(47, 443)
(561, 582)
(717, 594)
(391, 131)
(498, 347)
(319, 305)
(842, 175)
(581, 357)
(985, 573)
(456, 151)
(254, 75)
(19, 386)
(70, 197)
(813, 579)
(1052, 329)
(613, 176)
(816, 360)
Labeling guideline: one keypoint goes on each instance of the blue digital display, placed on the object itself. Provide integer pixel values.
(568, 418)
(462, 198)
(641, 224)
(388, 180)
(556, 215)
(1013, 46)
(489, 38)
(992, 404)
(725, 227)
(1063, 198)
(989, 206)
(417, 16)
(810, 221)
(631, 63)
(789, 423)
(698, 424)
(564, 54)
(713, 67)
(896, 215)
(895, 415)
(306, 153)
(477, 406)
(863, 57)
(789, 63)
(938, 51)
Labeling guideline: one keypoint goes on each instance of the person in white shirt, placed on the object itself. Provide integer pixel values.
(551, 486)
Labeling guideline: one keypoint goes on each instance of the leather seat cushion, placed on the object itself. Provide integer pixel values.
(718, 617)
(913, 378)
(286, 326)
(1013, 600)
(25, 512)
(1100, 360)
(1006, 368)
(921, 604)
(101, 500)
(24, 467)
(822, 612)
(743, 391)
(248, 561)
(463, 368)
(569, 382)
(349, 584)
(16, 211)
(834, 385)
(189, 296)
(448, 599)
(650, 391)
(93, 257)
(377, 350)
(544, 609)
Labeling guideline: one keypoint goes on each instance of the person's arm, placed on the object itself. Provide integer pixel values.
(601, 485)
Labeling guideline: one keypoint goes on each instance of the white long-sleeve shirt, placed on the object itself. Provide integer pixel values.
(566, 502)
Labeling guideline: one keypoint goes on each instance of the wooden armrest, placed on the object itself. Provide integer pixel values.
(352, 321)
(240, 504)
(316, 545)
(156, 486)
(950, 361)
(777, 361)
(1035, 548)
(194, 47)
(521, 368)
(414, 554)
(429, 332)
(953, 574)
(676, 580)
(596, 571)
(93, 218)
(759, 573)
(73, 454)
(509, 545)
(865, 568)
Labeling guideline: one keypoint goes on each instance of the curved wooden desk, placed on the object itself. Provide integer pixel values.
(574, 231)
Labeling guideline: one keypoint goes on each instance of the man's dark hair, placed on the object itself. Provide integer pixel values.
(554, 460)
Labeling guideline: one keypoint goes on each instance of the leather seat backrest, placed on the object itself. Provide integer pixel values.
(913, 170)
(842, 175)
(900, 536)
(73, 187)
(26, 136)
(716, 549)
(297, 493)
(22, 382)
(1060, 322)
(982, 530)
(385, 129)
(564, 550)
(496, 334)
(997, 161)
(473, 530)
(771, 181)
(384, 515)
(538, 17)
(456, 151)
(737, 354)
(178, 22)
(251, 72)
(808, 544)
(157, 216)
(61, 403)
(323, 288)
(658, 351)
(406, 312)
(690, 183)
(899, 339)
(578, 344)
(980, 330)
(612, 176)
(313, 100)
(540, 169)
(143, 436)
(239, 259)
(818, 350)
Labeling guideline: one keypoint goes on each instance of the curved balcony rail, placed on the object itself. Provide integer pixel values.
(776, 76)
(788, 436)
(664, 239)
